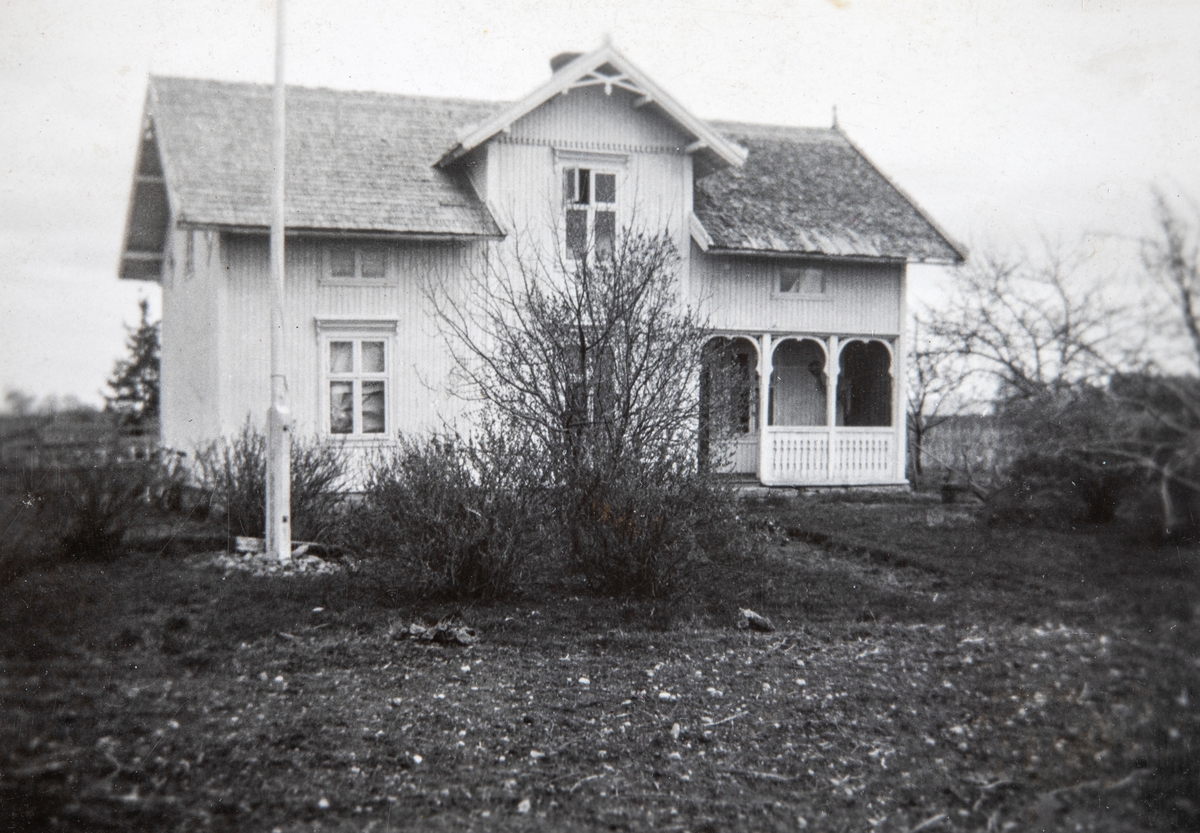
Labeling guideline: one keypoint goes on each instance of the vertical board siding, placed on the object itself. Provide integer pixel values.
(524, 184)
(190, 324)
(587, 115)
(526, 192)
(738, 294)
(419, 397)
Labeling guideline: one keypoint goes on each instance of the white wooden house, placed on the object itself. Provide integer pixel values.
(792, 243)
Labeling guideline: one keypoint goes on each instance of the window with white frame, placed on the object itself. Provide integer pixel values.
(356, 382)
(590, 200)
(348, 262)
(807, 280)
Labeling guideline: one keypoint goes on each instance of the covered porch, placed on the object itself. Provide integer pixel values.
(793, 422)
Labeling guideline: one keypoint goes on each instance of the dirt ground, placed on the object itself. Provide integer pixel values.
(926, 674)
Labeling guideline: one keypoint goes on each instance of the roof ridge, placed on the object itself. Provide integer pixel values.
(723, 124)
(256, 85)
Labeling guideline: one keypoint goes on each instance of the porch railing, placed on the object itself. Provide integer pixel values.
(801, 455)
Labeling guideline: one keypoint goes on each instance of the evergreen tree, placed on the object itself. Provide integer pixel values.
(135, 379)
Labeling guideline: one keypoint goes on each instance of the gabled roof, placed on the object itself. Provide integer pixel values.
(378, 163)
(607, 67)
(356, 161)
(810, 191)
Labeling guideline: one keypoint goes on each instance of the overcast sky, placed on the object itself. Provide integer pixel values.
(1005, 120)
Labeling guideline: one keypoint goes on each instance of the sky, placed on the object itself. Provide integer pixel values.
(1009, 122)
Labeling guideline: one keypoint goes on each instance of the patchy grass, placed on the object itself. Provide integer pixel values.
(925, 671)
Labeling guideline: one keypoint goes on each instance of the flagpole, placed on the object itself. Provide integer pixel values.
(278, 508)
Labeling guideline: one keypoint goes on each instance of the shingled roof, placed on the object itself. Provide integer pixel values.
(810, 191)
(355, 161)
(366, 162)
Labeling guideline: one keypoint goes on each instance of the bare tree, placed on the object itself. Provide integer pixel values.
(1172, 259)
(1076, 394)
(936, 378)
(1167, 436)
(594, 357)
(1031, 325)
(595, 362)
(1034, 339)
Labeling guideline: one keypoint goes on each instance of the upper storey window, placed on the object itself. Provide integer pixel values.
(356, 262)
(806, 281)
(590, 197)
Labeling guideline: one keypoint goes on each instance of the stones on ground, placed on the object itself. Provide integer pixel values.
(525, 806)
(258, 563)
(451, 630)
(747, 618)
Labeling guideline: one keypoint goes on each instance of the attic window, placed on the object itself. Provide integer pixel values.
(349, 262)
(590, 198)
(804, 281)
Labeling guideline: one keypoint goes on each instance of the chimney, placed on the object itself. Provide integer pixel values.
(562, 59)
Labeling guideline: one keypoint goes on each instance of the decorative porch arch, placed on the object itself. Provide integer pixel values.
(799, 382)
(866, 370)
(730, 409)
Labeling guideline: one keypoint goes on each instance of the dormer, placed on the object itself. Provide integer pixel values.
(606, 69)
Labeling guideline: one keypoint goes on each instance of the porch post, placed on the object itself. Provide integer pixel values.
(764, 408)
(900, 379)
(831, 388)
(899, 417)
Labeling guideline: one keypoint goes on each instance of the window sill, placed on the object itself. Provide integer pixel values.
(330, 281)
(359, 440)
(803, 296)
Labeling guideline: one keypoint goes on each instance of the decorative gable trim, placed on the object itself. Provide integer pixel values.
(148, 214)
(586, 71)
(572, 156)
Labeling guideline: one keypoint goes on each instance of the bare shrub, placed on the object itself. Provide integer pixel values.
(234, 471)
(25, 544)
(596, 364)
(458, 520)
(80, 508)
(647, 532)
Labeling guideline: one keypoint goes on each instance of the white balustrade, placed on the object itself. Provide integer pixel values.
(798, 455)
(864, 455)
(801, 455)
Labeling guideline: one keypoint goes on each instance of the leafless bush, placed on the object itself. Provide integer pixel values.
(594, 361)
(234, 472)
(454, 519)
(646, 532)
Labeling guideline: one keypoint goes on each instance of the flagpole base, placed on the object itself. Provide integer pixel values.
(279, 483)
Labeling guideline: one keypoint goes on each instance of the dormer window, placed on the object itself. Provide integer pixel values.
(590, 198)
(356, 263)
